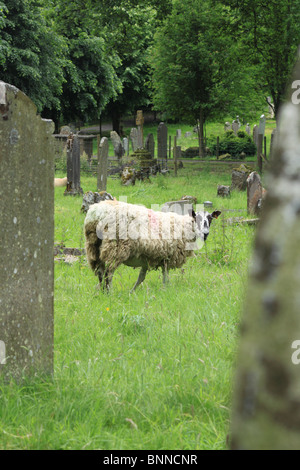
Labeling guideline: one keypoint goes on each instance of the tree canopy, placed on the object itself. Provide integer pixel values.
(191, 59)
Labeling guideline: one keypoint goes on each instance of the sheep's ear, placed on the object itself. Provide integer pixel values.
(192, 213)
(215, 214)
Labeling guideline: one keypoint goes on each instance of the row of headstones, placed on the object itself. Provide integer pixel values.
(257, 129)
(121, 146)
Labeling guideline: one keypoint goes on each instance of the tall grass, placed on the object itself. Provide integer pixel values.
(148, 370)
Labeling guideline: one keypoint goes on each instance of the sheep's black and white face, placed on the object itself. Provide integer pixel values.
(203, 220)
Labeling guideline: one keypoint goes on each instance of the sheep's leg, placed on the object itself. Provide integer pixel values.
(165, 274)
(140, 279)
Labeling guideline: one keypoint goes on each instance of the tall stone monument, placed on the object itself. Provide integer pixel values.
(27, 237)
(266, 402)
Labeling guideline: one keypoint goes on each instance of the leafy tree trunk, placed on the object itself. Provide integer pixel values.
(201, 134)
(116, 118)
(266, 405)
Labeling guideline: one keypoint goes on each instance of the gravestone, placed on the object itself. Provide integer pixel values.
(178, 133)
(102, 164)
(65, 130)
(239, 177)
(181, 207)
(125, 145)
(140, 122)
(255, 134)
(262, 124)
(254, 193)
(248, 129)
(117, 144)
(134, 139)
(188, 134)
(73, 166)
(223, 191)
(27, 237)
(265, 410)
(162, 142)
(227, 126)
(235, 127)
(150, 144)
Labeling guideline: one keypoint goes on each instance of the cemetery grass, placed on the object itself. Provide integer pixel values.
(149, 370)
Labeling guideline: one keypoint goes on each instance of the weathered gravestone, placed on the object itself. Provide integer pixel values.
(134, 139)
(227, 126)
(73, 166)
(162, 142)
(117, 144)
(254, 193)
(140, 122)
(102, 164)
(255, 134)
(223, 191)
(27, 237)
(266, 401)
(150, 144)
(239, 177)
(248, 129)
(235, 127)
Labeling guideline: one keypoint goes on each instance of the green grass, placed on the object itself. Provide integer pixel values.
(150, 370)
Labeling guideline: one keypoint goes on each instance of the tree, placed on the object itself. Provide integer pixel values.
(31, 53)
(269, 35)
(128, 27)
(90, 78)
(190, 61)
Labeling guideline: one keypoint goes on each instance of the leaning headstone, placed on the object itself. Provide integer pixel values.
(117, 144)
(162, 142)
(265, 407)
(27, 237)
(150, 144)
(102, 164)
(239, 177)
(235, 127)
(134, 139)
(227, 126)
(254, 193)
(248, 129)
(73, 167)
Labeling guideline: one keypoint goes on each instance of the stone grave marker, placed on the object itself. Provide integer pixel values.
(178, 133)
(140, 122)
(266, 386)
(125, 144)
(73, 166)
(254, 193)
(134, 138)
(235, 127)
(248, 129)
(227, 126)
(150, 144)
(262, 124)
(102, 164)
(162, 142)
(117, 144)
(27, 237)
(255, 134)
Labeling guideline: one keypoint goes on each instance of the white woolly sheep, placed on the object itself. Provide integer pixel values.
(117, 232)
(60, 181)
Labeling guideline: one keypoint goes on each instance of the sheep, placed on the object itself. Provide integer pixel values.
(60, 181)
(119, 233)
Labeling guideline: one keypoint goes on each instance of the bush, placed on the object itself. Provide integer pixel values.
(235, 145)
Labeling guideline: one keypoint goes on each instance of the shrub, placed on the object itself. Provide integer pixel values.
(235, 145)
